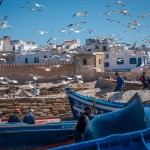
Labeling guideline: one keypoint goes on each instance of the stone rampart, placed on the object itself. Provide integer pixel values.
(23, 72)
(44, 107)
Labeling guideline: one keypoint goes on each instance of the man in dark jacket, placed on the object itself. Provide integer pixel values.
(143, 80)
(15, 117)
(82, 122)
(29, 118)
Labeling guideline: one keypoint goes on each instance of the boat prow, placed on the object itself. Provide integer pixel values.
(128, 119)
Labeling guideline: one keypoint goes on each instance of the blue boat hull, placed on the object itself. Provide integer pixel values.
(33, 136)
(138, 140)
(128, 119)
(124, 129)
(78, 102)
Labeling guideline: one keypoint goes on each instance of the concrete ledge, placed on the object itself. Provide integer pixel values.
(129, 85)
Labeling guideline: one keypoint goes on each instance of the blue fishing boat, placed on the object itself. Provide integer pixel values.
(20, 135)
(100, 106)
(138, 140)
(124, 129)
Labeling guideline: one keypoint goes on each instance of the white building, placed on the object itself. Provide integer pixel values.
(118, 57)
(7, 45)
(48, 53)
(123, 60)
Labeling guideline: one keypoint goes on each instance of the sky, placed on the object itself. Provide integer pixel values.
(132, 25)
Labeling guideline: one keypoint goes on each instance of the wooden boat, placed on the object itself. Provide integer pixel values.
(78, 102)
(132, 117)
(138, 140)
(124, 129)
(19, 136)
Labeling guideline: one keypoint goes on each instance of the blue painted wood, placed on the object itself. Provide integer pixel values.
(32, 136)
(124, 129)
(138, 140)
(128, 119)
(78, 102)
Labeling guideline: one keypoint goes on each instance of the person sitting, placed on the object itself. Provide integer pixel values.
(82, 122)
(29, 118)
(120, 82)
(15, 117)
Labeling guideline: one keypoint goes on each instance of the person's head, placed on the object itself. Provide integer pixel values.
(18, 111)
(116, 74)
(144, 73)
(31, 110)
(1, 114)
(88, 110)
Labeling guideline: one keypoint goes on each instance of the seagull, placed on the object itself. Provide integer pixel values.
(106, 13)
(78, 14)
(56, 66)
(46, 69)
(113, 20)
(1, 2)
(88, 66)
(77, 23)
(31, 9)
(63, 30)
(131, 27)
(125, 12)
(3, 60)
(36, 4)
(65, 59)
(4, 78)
(57, 56)
(69, 78)
(41, 32)
(35, 77)
(120, 3)
(55, 38)
(91, 31)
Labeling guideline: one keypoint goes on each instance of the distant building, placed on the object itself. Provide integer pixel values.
(48, 53)
(89, 65)
(6, 44)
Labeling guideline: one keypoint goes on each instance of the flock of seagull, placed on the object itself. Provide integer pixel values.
(76, 27)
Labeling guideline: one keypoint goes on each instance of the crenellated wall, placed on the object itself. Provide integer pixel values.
(21, 72)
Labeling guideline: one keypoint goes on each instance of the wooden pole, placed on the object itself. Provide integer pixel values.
(94, 105)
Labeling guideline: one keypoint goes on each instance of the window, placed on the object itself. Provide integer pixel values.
(99, 61)
(139, 62)
(84, 62)
(132, 60)
(14, 48)
(107, 56)
(106, 64)
(45, 56)
(26, 60)
(104, 48)
(36, 60)
(120, 61)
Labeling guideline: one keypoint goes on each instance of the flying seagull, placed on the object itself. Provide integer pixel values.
(36, 4)
(1, 2)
